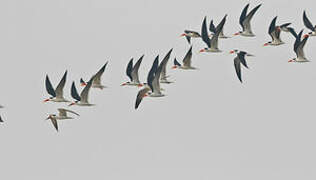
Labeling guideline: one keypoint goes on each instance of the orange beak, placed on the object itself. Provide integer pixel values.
(266, 44)
(306, 35)
(231, 52)
(236, 34)
(72, 104)
(182, 35)
(140, 85)
(46, 100)
(291, 60)
(123, 84)
(83, 84)
(174, 67)
(202, 50)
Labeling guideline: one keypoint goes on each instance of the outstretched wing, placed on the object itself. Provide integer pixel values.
(176, 63)
(49, 88)
(164, 66)
(151, 74)
(243, 16)
(74, 92)
(219, 28)
(187, 58)
(307, 22)
(204, 33)
(140, 95)
(59, 89)
(98, 75)
(247, 20)
(129, 69)
(85, 92)
(212, 27)
(134, 73)
(241, 57)
(63, 112)
(237, 68)
(272, 28)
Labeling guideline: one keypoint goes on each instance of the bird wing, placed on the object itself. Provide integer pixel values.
(272, 28)
(243, 16)
(176, 63)
(285, 25)
(300, 49)
(214, 40)
(54, 121)
(293, 32)
(60, 87)
(187, 58)
(49, 88)
(212, 27)
(63, 112)
(151, 74)
(74, 92)
(237, 68)
(241, 57)
(129, 69)
(134, 72)
(156, 82)
(98, 75)
(307, 22)
(204, 33)
(85, 92)
(298, 42)
(164, 64)
(248, 18)
(82, 81)
(140, 96)
(188, 39)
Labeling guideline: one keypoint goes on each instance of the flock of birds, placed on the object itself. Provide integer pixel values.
(158, 71)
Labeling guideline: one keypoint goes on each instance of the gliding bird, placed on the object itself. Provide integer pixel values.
(61, 116)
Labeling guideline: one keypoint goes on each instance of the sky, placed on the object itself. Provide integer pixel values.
(209, 125)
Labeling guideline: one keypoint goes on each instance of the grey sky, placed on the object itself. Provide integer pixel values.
(262, 129)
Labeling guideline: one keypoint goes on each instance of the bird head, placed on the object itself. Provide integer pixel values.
(237, 33)
(73, 103)
(124, 84)
(48, 99)
(292, 60)
(51, 116)
(233, 51)
(203, 50)
(266, 44)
